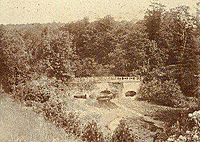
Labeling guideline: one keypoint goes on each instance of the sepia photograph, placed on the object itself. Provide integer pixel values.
(99, 70)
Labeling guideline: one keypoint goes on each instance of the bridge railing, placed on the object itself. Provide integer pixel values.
(106, 79)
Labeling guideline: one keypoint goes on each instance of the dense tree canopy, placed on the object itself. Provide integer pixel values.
(164, 45)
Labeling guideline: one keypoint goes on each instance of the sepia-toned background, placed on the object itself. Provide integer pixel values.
(44, 11)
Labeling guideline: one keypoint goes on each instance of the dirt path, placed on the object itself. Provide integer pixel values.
(124, 112)
(19, 124)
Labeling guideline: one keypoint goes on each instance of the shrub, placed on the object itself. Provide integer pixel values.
(196, 117)
(188, 135)
(54, 111)
(71, 124)
(123, 133)
(91, 133)
(30, 92)
(163, 93)
(39, 90)
(46, 96)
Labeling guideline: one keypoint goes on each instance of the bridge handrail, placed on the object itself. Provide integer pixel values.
(107, 78)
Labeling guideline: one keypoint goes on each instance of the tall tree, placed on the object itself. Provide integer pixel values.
(178, 30)
(55, 54)
(153, 27)
(153, 19)
(14, 59)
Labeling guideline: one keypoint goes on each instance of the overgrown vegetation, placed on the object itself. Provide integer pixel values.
(165, 44)
(189, 131)
(163, 93)
(163, 49)
(123, 133)
(91, 133)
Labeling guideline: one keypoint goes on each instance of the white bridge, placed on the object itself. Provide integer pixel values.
(117, 84)
(106, 79)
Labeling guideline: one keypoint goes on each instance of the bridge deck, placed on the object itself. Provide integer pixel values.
(106, 79)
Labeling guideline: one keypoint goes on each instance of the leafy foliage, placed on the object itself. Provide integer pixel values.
(163, 49)
(163, 93)
(173, 32)
(164, 40)
(192, 134)
(56, 54)
(91, 133)
(123, 133)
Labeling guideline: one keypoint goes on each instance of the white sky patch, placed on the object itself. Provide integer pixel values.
(44, 11)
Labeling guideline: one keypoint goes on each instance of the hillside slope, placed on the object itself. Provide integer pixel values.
(19, 124)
